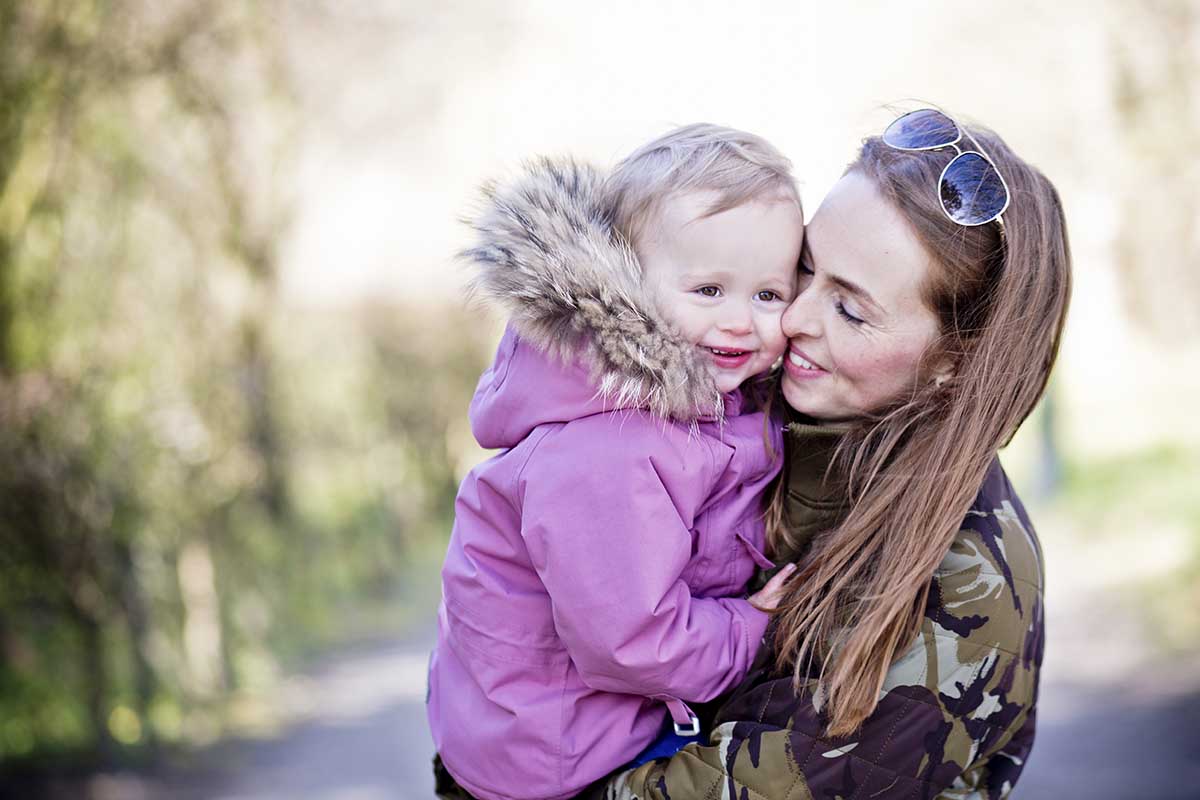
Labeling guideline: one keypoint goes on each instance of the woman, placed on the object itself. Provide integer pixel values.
(903, 660)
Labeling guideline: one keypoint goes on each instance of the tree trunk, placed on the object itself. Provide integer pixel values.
(1050, 463)
(95, 670)
(137, 617)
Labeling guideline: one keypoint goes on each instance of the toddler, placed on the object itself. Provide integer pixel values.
(595, 578)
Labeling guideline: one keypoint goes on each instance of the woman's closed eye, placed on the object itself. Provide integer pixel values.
(847, 315)
(805, 277)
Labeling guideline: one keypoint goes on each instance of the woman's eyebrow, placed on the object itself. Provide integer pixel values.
(856, 290)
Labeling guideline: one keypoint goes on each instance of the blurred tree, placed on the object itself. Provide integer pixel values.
(140, 424)
(423, 377)
(195, 480)
(1156, 95)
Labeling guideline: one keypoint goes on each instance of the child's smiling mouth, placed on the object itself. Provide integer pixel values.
(728, 357)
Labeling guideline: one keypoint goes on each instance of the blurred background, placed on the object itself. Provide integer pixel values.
(235, 355)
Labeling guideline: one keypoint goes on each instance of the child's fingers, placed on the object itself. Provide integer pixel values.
(768, 597)
(780, 578)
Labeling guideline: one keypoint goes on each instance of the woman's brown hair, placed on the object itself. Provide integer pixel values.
(912, 470)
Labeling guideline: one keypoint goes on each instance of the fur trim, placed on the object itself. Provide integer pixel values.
(548, 254)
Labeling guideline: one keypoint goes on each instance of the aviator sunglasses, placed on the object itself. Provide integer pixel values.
(970, 187)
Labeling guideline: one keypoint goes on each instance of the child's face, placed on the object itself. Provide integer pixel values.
(725, 280)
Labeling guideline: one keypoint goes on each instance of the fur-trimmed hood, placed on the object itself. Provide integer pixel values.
(547, 253)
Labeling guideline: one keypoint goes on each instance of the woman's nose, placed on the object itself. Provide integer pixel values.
(801, 317)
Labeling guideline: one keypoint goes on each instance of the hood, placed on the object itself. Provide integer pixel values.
(547, 254)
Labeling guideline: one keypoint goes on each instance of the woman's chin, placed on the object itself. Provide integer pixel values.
(808, 404)
(799, 400)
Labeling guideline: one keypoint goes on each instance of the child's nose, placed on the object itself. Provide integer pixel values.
(737, 320)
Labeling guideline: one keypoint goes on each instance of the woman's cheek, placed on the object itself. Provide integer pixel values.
(885, 376)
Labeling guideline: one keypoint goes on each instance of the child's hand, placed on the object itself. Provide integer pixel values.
(767, 598)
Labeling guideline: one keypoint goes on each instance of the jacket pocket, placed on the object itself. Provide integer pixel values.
(742, 557)
(492, 642)
(756, 555)
(695, 573)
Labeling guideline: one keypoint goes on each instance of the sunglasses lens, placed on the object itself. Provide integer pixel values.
(921, 130)
(972, 191)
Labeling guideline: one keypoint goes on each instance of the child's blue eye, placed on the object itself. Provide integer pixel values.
(709, 291)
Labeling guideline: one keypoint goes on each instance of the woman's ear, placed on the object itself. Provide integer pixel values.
(942, 371)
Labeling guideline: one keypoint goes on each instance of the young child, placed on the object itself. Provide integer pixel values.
(596, 573)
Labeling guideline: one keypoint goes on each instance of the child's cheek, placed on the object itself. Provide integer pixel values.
(777, 343)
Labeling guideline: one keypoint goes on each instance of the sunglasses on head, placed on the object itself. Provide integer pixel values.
(970, 187)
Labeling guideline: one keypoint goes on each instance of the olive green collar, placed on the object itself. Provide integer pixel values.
(815, 499)
(810, 448)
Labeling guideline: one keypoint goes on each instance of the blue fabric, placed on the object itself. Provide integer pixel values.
(667, 744)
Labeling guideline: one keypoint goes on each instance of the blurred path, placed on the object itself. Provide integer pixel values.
(1114, 722)
(362, 737)
(356, 731)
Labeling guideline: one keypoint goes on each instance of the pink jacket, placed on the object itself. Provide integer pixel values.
(595, 571)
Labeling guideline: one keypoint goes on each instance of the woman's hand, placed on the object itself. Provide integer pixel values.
(767, 598)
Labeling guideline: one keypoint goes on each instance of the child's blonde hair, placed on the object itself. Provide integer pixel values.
(738, 166)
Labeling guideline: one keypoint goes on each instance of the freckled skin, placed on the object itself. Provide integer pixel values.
(725, 280)
(858, 237)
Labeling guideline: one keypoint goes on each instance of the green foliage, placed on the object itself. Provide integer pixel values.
(198, 484)
(1142, 490)
(1145, 504)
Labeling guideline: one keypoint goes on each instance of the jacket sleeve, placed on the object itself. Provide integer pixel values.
(956, 716)
(607, 524)
(921, 742)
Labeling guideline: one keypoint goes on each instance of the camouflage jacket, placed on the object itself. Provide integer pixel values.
(956, 715)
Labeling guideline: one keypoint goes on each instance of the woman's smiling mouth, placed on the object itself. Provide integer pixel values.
(798, 365)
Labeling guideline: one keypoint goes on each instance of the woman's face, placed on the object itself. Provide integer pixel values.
(859, 326)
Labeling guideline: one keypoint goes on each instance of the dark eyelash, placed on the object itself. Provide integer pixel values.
(841, 309)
